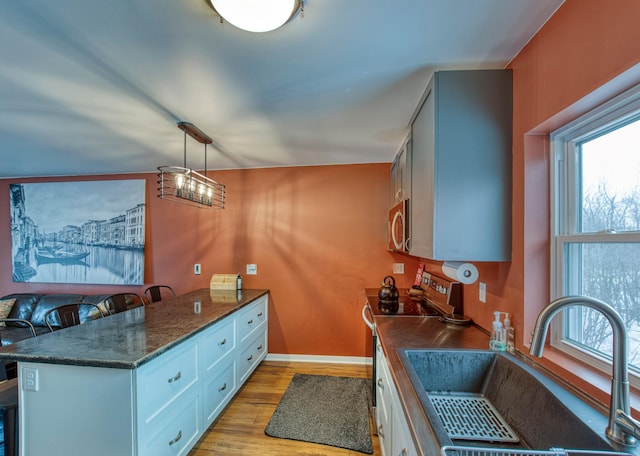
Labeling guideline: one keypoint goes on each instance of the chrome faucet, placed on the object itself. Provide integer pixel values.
(621, 428)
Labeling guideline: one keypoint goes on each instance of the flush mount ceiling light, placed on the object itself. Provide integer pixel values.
(186, 186)
(256, 15)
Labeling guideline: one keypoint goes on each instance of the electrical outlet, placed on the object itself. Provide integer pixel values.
(30, 379)
(482, 292)
(252, 269)
(197, 269)
(398, 268)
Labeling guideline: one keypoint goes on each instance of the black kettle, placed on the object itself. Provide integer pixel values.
(388, 295)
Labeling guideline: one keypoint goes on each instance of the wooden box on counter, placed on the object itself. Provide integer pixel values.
(224, 282)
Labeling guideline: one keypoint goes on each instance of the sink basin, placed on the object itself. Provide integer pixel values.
(490, 399)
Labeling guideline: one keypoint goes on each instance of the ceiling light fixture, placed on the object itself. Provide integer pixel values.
(186, 186)
(257, 15)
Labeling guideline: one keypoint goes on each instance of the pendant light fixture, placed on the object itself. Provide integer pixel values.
(257, 15)
(185, 185)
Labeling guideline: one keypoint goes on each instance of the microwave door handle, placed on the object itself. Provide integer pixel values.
(367, 322)
(398, 216)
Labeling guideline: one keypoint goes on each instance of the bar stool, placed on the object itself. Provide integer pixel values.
(9, 410)
(156, 293)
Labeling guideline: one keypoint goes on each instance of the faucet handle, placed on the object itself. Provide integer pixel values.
(629, 425)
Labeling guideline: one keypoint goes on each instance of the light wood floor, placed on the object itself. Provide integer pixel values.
(240, 428)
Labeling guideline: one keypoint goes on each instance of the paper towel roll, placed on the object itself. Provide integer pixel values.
(462, 272)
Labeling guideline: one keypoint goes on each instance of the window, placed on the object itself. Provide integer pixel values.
(595, 227)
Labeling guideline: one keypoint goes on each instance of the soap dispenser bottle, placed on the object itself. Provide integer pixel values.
(509, 334)
(497, 334)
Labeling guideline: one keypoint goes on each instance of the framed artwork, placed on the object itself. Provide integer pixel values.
(89, 232)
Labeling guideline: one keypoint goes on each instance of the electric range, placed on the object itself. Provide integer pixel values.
(406, 307)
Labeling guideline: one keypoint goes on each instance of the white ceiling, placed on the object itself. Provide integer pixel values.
(96, 87)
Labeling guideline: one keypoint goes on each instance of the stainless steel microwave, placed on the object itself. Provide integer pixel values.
(399, 227)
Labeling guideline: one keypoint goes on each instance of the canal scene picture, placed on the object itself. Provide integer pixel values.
(78, 232)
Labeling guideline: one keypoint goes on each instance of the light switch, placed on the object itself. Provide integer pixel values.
(196, 269)
(252, 269)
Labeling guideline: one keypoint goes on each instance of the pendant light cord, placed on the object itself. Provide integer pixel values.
(185, 149)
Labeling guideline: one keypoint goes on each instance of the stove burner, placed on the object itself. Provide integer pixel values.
(388, 307)
(405, 306)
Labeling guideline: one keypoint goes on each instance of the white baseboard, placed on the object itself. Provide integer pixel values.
(319, 359)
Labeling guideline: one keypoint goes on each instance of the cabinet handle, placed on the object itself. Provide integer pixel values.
(222, 342)
(380, 384)
(176, 439)
(403, 452)
(259, 347)
(380, 433)
(175, 378)
(260, 315)
(250, 322)
(222, 388)
(250, 358)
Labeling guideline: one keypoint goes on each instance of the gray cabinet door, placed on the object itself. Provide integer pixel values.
(461, 167)
(421, 241)
(401, 174)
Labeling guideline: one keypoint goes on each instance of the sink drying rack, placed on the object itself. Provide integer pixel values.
(454, 450)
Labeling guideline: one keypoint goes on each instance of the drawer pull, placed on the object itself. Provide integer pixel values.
(260, 315)
(260, 347)
(250, 358)
(222, 342)
(380, 383)
(250, 322)
(175, 378)
(176, 439)
(222, 388)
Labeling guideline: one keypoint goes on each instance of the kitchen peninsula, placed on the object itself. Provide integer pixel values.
(148, 381)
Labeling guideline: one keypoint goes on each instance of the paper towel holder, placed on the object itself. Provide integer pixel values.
(465, 273)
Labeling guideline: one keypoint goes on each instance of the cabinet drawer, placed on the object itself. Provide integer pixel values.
(176, 431)
(251, 318)
(253, 352)
(162, 380)
(217, 343)
(219, 388)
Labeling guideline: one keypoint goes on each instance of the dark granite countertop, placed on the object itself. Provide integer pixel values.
(132, 338)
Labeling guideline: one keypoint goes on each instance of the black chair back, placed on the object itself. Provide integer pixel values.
(156, 293)
(69, 315)
(120, 302)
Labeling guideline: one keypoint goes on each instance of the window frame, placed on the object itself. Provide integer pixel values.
(564, 214)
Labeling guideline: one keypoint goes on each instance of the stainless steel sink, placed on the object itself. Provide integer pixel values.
(494, 401)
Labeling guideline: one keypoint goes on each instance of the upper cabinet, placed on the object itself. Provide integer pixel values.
(461, 143)
(401, 174)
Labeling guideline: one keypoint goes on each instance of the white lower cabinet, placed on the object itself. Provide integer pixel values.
(168, 405)
(161, 408)
(219, 389)
(162, 381)
(175, 432)
(253, 351)
(393, 430)
(383, 403)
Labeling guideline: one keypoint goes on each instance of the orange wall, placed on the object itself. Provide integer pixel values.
(317, 234)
